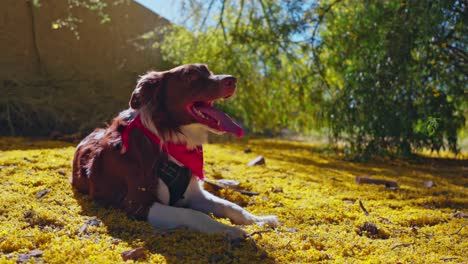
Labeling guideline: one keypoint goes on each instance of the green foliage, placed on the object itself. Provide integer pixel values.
(396, 73)
(390, 75)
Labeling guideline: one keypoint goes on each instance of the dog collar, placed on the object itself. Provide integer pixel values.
(190, 158)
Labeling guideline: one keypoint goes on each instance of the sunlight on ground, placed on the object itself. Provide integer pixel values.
(312, 191)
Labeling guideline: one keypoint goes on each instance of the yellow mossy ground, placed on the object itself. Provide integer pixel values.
(313, 193)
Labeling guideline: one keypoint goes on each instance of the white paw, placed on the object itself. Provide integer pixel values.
(234, 233)
(269, 220)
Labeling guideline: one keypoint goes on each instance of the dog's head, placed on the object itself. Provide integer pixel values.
(180, 101)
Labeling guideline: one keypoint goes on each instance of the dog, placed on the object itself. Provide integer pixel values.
(149, 160)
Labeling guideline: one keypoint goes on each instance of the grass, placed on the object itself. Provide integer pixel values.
(312, 190)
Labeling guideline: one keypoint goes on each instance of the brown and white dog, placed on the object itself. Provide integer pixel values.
(161, 134)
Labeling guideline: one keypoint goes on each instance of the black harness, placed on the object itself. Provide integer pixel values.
(176, 178)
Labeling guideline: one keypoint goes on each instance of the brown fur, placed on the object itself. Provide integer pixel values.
(124, 178)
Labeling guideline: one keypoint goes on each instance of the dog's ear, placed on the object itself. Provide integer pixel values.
(147, 89)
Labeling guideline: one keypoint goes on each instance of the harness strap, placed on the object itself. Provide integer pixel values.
(175, 177)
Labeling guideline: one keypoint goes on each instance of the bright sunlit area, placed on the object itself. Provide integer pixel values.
(233, 131)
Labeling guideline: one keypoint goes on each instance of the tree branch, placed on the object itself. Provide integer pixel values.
(314, 47)
(208, 11)
(239, 15)
(268, 14)
(34, 35)
(221, 23)
(321, 17)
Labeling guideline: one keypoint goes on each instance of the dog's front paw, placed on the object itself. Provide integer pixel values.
(269, 220)
(234, 233)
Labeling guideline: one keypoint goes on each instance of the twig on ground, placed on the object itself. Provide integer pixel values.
(428, 236)
(288, 245)
(451, 234)
(403, 245)
(218, 186)
(447, 259)
(259, 232)
(363, 208)
(456, 233)
(365, 180)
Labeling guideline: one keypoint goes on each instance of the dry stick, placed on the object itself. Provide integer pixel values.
(259, 232)
(447, 259)
(456, 233)
(364, 180)
(433, 235)
(403, 245)
(288, 245)
(363, 208)
(218, 186)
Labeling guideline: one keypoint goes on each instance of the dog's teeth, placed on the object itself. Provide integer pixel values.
(202, 115)
(198, 112)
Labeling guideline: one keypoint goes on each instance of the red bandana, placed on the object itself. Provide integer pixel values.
(192, 159)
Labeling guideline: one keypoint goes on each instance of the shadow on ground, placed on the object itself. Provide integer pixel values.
(16, 143)
(447, 170)
(177, 246)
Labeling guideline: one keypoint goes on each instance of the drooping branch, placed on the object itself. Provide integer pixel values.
(34, 35)
(268, 14)
(320, 19)
(208, 11)
(315, 51)
(239, 15)
(221, 22)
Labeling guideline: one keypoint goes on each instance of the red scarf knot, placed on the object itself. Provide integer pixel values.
(190, 158)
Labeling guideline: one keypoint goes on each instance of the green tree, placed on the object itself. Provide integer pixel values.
(384, 75)
(396, 72)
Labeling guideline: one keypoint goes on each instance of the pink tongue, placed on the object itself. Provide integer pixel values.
(226, 123)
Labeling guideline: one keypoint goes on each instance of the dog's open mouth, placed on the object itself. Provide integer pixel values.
(205, 113)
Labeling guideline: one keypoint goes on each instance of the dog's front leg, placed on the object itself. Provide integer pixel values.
(164, 216)
(206, 202)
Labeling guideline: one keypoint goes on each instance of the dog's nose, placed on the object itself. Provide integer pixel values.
(229, 82)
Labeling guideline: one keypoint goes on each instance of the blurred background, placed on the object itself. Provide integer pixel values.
(378, 77)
